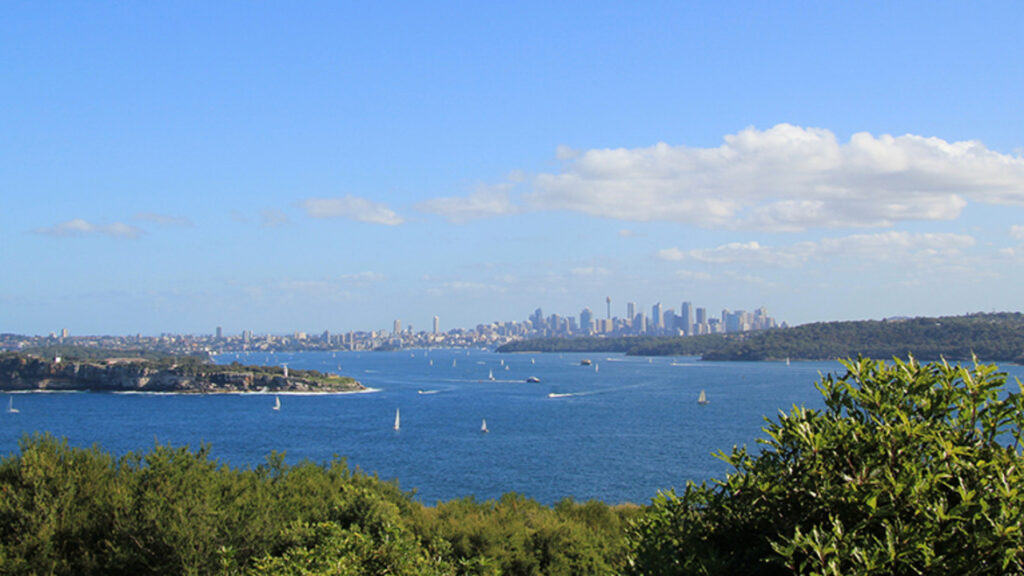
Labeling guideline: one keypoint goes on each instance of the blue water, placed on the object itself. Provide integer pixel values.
(621, 430)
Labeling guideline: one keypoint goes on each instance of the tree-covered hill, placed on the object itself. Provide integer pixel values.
(996, 337)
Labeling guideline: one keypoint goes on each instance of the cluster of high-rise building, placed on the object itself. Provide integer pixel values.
(690, 321)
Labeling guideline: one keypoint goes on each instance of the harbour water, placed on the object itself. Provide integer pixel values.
(617, 430)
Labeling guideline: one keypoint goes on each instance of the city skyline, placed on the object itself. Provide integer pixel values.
(172, 168)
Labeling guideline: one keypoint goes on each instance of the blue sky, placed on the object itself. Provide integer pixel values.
(279, 167)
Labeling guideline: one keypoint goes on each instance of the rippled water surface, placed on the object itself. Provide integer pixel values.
(617, 430)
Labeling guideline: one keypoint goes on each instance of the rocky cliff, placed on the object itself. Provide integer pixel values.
(18, 372)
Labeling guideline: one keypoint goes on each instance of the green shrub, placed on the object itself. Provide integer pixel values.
(910, 469)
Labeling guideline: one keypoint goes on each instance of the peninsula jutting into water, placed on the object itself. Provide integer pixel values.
(185, 375)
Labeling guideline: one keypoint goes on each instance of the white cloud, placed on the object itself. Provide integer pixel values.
(749, 254)
(1017, 232)
(80, 227)
(366, 277)
(590, 271)
(671, 254)
(351, 207)
(882, 247)
(164, 219)
(485, 202)
(786, 178)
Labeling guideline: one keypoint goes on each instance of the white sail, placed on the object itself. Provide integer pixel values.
(703, 398)
(490, 375)
(10, 405)
(398, 420)
(277, 402)
(483, 427)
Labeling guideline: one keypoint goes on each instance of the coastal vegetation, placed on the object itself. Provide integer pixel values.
(993, 337)
(910, 468)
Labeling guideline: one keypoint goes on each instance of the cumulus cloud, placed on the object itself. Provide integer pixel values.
(163, 219)
(671, 254)
(785, 178)
(882, 247)
(483, 203)
(80, 227)
(1017, 232)
(352, 208)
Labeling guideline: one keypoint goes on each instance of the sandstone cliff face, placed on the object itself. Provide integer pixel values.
(25, 373)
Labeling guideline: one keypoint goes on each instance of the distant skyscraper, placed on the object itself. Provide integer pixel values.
(538, 319)
(657, 322)
(686, 317)
(586, 321)
(64, 333)
(220, 332)
(398, 327)
(631, 310)
(437, 324)
(608, 300)
(640, 323)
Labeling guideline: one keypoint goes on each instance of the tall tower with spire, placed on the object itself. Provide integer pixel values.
(608, 300)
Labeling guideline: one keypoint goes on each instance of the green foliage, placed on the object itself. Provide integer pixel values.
(171, 510)
(910, 469)
(517, 536)
(992, 337)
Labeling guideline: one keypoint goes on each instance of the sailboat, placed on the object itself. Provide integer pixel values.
(398, 420)
(483, 427)
(277, 402)
(10, 405)
(490, 375)
(703, 398)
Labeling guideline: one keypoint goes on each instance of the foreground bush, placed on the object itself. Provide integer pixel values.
(67, 510)
(910, 469)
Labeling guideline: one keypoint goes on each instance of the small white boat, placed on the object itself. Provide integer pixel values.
(483, 427)
(703, 398)
(533, 380)
(490, 375)
(398, 420)
(10, 405)
(277, 402)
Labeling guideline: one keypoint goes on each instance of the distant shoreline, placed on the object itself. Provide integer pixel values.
(167, 376)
